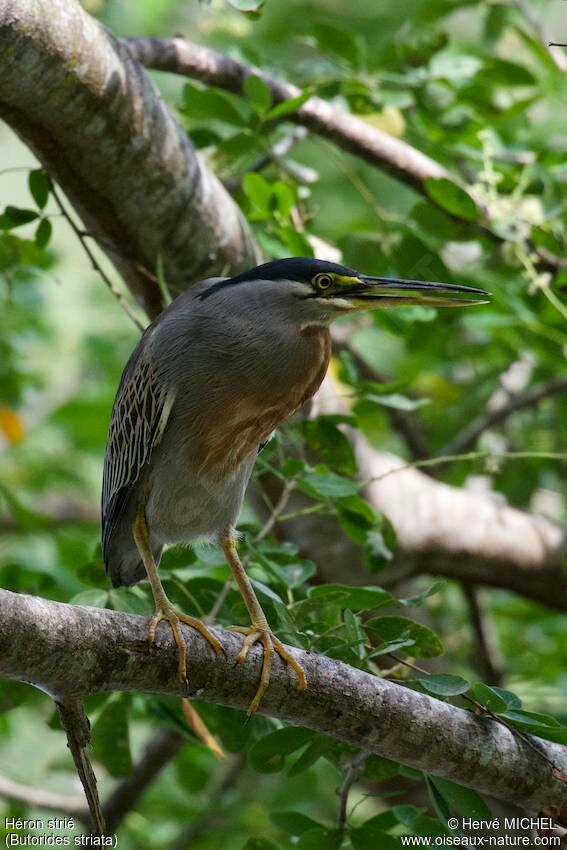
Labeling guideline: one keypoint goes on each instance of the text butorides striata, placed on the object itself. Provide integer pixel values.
(209, 381)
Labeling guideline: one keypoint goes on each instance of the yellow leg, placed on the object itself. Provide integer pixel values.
(259, 631)
(164, 608)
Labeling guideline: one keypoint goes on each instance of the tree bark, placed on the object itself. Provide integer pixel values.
(97, 123)
(71, 651)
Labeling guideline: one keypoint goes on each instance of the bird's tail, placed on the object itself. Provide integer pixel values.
(77, 728)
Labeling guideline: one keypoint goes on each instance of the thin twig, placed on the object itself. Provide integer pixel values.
(80, 234)
(534, 22)
(433, 461)
(351, 774)
(77, 728)
(531, 398)
(486, 653)
(527, 739)
(37, 798)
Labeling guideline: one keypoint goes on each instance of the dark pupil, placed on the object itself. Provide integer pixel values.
(324, 282)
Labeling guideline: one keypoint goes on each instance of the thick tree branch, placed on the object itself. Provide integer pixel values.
(97, 123)
(67, 650)
(345, 130)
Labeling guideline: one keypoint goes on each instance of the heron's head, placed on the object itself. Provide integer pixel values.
(310, 290)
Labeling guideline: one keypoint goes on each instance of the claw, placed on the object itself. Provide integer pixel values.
(174, 619)
(272, 646)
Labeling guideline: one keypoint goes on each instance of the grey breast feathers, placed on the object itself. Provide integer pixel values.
(141, 410)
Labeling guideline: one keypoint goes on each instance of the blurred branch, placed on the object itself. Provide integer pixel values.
(486, 656)
(65, 804)
(534, 22)
(352, 772)
(467, 438)
(78, 731)
(211, 813)
(63, 648)
(52, 515)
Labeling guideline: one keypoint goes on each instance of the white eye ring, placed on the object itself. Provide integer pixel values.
(323, 281)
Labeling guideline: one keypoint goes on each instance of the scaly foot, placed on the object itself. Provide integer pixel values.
(272, 646)
(174, 618)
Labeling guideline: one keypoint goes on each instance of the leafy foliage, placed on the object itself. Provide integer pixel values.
(489, 108)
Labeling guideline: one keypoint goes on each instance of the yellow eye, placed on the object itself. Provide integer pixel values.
(323, 281)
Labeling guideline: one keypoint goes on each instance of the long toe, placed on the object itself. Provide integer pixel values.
(174, 619)
(272, 646)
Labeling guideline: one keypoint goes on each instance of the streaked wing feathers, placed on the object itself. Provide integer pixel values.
(139, 416)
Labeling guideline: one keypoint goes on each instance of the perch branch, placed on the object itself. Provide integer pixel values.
(69, 650)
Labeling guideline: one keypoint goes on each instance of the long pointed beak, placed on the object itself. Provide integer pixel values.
(390, 292)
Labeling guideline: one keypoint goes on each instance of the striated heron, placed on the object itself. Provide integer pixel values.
(211, 378)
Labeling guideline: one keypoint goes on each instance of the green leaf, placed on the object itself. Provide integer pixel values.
(542, 725)
(444, 684)
(308, 757)
(259, 192)
(284, 197)
(294, 823)
(377, 769)
(91, 598)
(110, 736)
(39, 185)
(425, 643)
(320, 839)
(329, 442)
(450, 64)
(16, 217)
(460, 800)
(131, 600)
(354, 634)
(211, 104)
(451, 197)
(269, 753)
(322, 483)
(294, 575)
(489, 698)
(92, 573)
(368, 838)
(512, 700)
(419, 598)
(43, 233)
(258, 843)
(257, 93)
(355, 598)
(338, 41)
(286, 107)
(500, 72)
